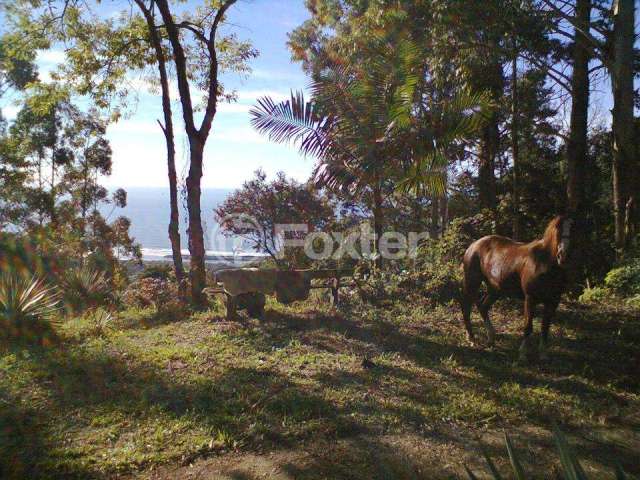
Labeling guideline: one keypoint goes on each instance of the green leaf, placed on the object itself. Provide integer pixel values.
(490, 464)
(570, 466)
(518, 471)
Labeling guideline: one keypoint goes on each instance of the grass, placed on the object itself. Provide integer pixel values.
(154, 394)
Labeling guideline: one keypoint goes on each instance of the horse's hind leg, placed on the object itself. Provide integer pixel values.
(547, 316)
(469, 294)
(484, 306)
(529, 305)
(467, 304)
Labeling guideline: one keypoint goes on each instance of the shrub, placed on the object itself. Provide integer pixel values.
(101, 322)
(439, 285)
(634, 301)
(28, 308)
(86, 288)
(438, 273)
(159, 271)
(595, 295)
(152, 292)
(624, 280)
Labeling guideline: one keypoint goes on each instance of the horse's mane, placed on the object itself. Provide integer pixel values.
(551, 237)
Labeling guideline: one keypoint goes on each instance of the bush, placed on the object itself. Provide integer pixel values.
(438, 275)
(152, 292)
(621, 282)
(624, 280)
(28, 308)
(159, 271)
(439, 285)
(595, 295)
(86, 288)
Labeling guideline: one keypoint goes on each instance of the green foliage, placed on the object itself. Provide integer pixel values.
(253, 212)
(438, 273)
(570, 466)
(85, 288)
(28, 308)
(595, 295)
(624, 280)
(159, 293)
(159, 271)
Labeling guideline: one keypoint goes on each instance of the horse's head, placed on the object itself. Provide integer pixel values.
(557, 237)
(563, 237)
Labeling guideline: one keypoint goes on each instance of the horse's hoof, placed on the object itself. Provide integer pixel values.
(471, 340)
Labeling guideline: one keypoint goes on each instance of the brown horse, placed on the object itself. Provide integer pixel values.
(533, 271)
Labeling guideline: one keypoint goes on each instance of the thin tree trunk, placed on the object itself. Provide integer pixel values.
(52, 213)
(623, 119)
(378, 220)
(167, 130)
(490, 140)
(444, 213)
(435, 214)
(515, 148)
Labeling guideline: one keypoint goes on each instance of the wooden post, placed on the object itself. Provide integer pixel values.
(231, 307)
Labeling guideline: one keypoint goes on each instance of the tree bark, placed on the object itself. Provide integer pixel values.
(623, 120)
(197, 273)
(577, 144)
(515, 147)
(444, 214)
(378, 220)
(197, 135)
(167, 130)
(435, 214)
(490, 139)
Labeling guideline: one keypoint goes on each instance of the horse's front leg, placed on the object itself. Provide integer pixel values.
(529, 307)
(549, 312)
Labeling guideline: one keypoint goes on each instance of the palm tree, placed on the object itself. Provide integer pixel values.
(375, 126)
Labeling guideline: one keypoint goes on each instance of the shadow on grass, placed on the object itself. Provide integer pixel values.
(590, 373)
(263, 408)
(252, 407)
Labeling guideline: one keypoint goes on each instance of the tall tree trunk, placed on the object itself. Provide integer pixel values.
(197, 135)
(167, 130)
(577, 144)
(444, 213)
(493, 80)
(623, 119)
(174, 216)
(197, 271)
(435, 214)
(515, 148)
(378, 220)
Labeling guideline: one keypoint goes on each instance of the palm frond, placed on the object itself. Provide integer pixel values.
(28, 306)
(426, 176)
(293, 120)
(571, 467)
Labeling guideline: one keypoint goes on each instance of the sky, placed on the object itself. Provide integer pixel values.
(234, 150)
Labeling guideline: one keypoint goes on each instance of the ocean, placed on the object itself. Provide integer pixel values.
(148, 209)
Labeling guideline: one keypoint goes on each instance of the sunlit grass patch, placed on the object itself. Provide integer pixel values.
(142, 393)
